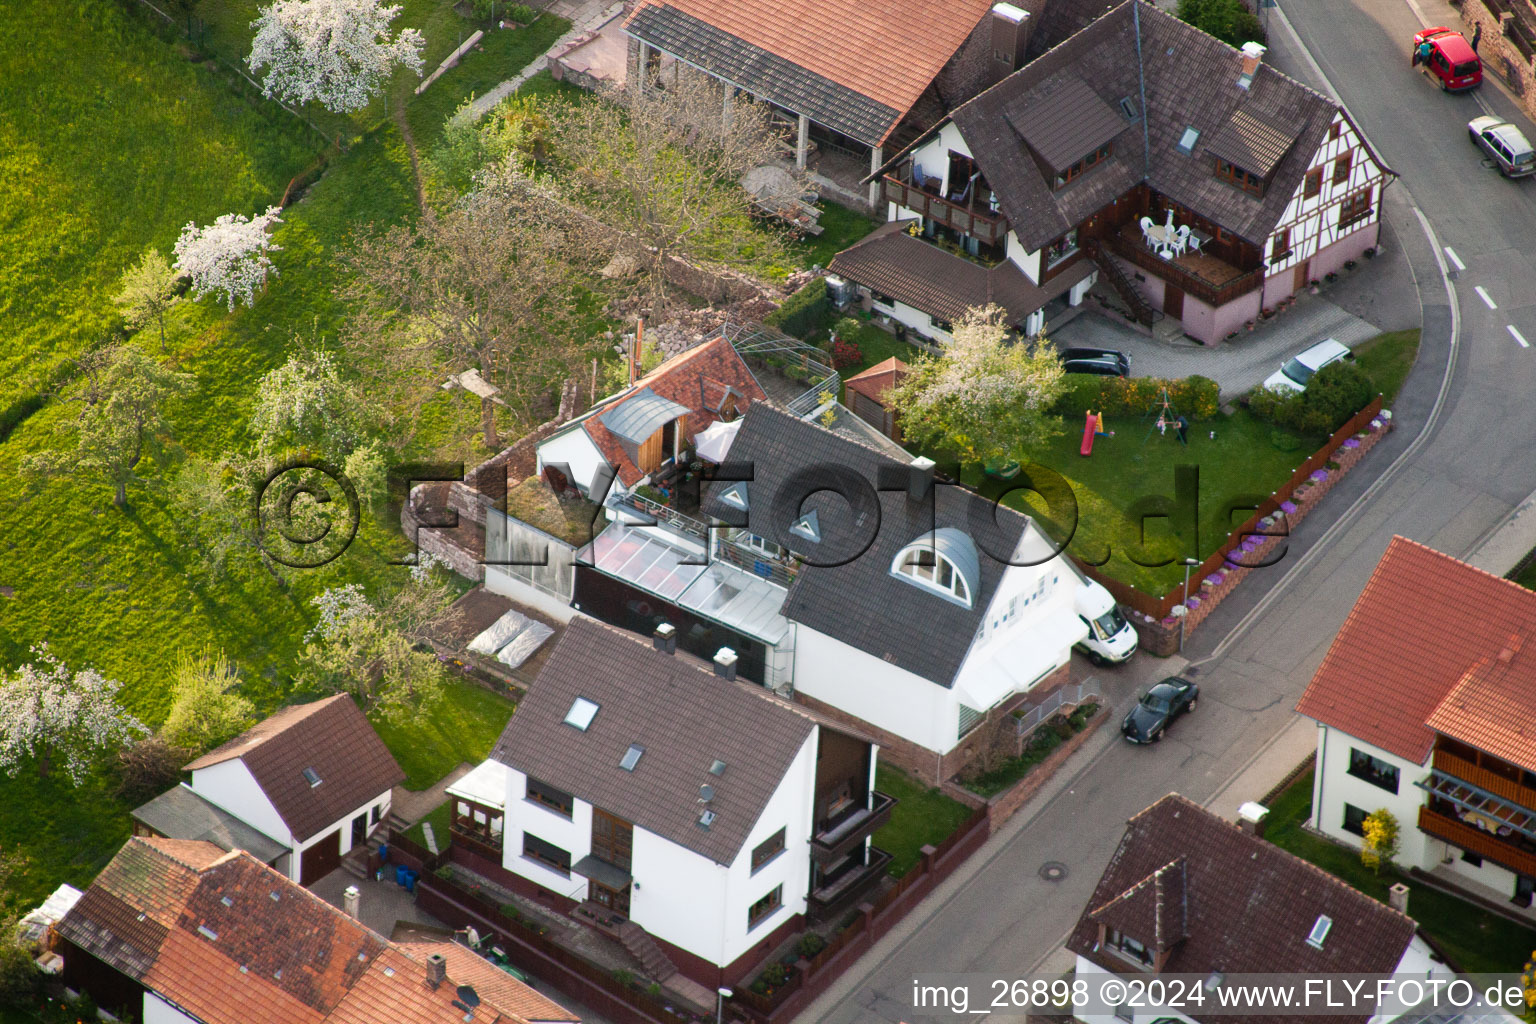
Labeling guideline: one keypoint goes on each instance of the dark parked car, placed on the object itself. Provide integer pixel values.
(1148, 720)
(1105, 362)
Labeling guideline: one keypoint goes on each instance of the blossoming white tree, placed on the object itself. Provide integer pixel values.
(306, 401)
(48, 712)
(338, 52)
(229, 256)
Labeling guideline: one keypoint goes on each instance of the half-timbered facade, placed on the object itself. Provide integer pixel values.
(1201, 183)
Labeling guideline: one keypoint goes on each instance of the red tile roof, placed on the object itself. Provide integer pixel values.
(234, 942)
(877, 381)
(1493, 706)
(1215, 898)
(887, 50)
(697, 379)
(491, 982)
(1422, 623)
(330, 736)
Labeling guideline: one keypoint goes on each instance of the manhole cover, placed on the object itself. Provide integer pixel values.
(1053, 871)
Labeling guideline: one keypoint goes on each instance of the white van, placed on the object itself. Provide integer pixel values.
(1111, 639)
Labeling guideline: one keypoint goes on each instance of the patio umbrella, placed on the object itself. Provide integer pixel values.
(1170, 223)
(714, 441)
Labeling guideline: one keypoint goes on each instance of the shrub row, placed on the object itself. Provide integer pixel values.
(1333, 395)
(805, 312)
(1195, 397)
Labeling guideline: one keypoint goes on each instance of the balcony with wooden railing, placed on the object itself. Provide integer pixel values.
(972, 217)
(1482, 778)
(1505, 852)
(1201, 275)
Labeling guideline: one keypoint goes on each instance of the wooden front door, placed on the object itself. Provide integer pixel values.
(616, 900)
(1303, 275)
(1173, 302)
(321, 859)
(613, 839)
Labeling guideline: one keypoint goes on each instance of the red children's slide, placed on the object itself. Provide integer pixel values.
(1089, 429)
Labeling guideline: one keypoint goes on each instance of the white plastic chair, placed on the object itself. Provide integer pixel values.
(1146, 230)
(1180, 241)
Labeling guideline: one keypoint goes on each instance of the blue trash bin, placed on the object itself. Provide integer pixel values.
(410, 880)
(400, 873)
(384, 853)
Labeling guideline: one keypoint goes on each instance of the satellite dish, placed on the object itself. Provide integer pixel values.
(469, 996)
(706, 793)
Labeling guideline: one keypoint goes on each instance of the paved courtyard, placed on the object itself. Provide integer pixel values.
(1235, 365)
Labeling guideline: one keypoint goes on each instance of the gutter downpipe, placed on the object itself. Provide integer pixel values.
(1141, 81)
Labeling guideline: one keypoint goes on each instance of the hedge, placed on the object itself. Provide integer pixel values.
(805, 312)
(1195, 397)
(1333, 395)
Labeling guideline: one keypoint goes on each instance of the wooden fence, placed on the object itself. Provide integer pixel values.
(1160, 607)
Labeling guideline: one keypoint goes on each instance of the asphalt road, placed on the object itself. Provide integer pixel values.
(1446, 488)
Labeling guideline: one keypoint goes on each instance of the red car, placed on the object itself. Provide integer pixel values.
(1451, 61)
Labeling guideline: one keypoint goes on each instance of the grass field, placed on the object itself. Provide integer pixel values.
(1387, 358)
(112, 141)
(1477, 940)
(924, 817)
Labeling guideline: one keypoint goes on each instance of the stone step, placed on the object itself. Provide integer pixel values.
(357, 867)
(643, 948)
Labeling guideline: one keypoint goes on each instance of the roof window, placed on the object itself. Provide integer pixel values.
(807, 527)
(717, 767)
(312, 777)
(581, 714)
(631, 757)
(1188, 139)
(1128, 108)
(1319, 931)
(736, 495)
(207, 933)
(944, 562)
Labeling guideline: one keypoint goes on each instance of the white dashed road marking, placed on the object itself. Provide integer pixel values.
(1517, 336)
(1454, 258)
(1487, 300)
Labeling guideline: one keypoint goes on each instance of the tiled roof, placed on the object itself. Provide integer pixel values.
(1493, 706)
(852, 595)
(1190, 80)
(231, 941)
(1249, 907)
(684, 717)
(1251, 143)
(1422, 622)
(942, 284)
(876, 382)
(856, 66)
(181, 814)
(1157, 907)
(330, 736)
(1064, 120)
(491, 982)
(696, 380)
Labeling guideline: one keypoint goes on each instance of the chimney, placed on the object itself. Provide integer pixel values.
(634, 351)
(665, 638)
(349, 898)
(1252, 54)
(437, 969)
(1010, 27)
(1250, 818)
(920, 478)
(725, 663)
(1397, 897)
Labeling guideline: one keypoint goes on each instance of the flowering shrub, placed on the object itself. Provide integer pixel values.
(1192, 603)
(1215, 579)
(1288, 507)
(846, 353)
(1352, 443)
(1318, 476)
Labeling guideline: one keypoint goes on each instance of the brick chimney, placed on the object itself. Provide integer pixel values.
(437, 969)
(349, 901)
(665, 638)
(1397, 897)
(1010, 27)
(725, 663)
(1253, 53)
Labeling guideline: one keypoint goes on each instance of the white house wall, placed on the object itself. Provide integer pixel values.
(881, 694)
(1314, 222)
(575, 449)
(680, 896)
(1095, 976)
(913, 318)
(1027, 261)
(158, 1011)
(1333, 787)
(230, 785)
(345, 825)
(573, 834)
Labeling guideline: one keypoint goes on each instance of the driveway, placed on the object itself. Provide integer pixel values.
(1235, 366)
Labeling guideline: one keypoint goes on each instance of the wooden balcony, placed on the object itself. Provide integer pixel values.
(477, 842)
(1214, 282)
(987, 227)
(1484, 779)
(838, 838)
(1474, 840)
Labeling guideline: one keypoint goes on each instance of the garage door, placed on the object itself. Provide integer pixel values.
(321, 859)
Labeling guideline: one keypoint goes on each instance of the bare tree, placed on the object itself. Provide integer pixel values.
(665, 168)
(492, 285)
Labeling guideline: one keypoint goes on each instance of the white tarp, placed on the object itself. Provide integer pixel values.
(500, 633)
(522, 646)
(714, 441)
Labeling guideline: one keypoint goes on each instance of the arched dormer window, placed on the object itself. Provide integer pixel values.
(944, 562)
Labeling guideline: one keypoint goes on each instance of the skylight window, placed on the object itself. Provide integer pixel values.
(1319, 931)
(1128, 108)
(312, 777)
(226, 901)
(736, 495)
(1188, 139)
(581, 714)
(207, 933)
(707, 819)
(717, 768)
(807, 527)
(631, 757)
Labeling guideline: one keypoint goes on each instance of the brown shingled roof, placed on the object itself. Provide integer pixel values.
(1422, 622)
(876, 382)
(330, 736)
(231, 941)
(1248, 907)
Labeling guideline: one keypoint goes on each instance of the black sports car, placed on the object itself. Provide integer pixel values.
(1148, 720)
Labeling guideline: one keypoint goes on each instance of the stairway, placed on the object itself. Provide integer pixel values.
(355, 863)
(1141, 311)
(642, 947)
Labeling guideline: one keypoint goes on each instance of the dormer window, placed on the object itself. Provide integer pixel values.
(736, 495)
(1070, 174)
(944, 562)
(1245, 180)
(807, 527)
(1128, 947)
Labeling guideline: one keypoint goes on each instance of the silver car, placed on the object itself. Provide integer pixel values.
(1511, 152)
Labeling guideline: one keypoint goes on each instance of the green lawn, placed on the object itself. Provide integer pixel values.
(1478, 941)
(1387, 358)
(877, 346)
(924, 817)
(1137, 461)
(112, 141)
(463, 726)
(841, 227)
(441, 819)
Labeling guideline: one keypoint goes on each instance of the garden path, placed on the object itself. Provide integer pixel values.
(584, 15)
